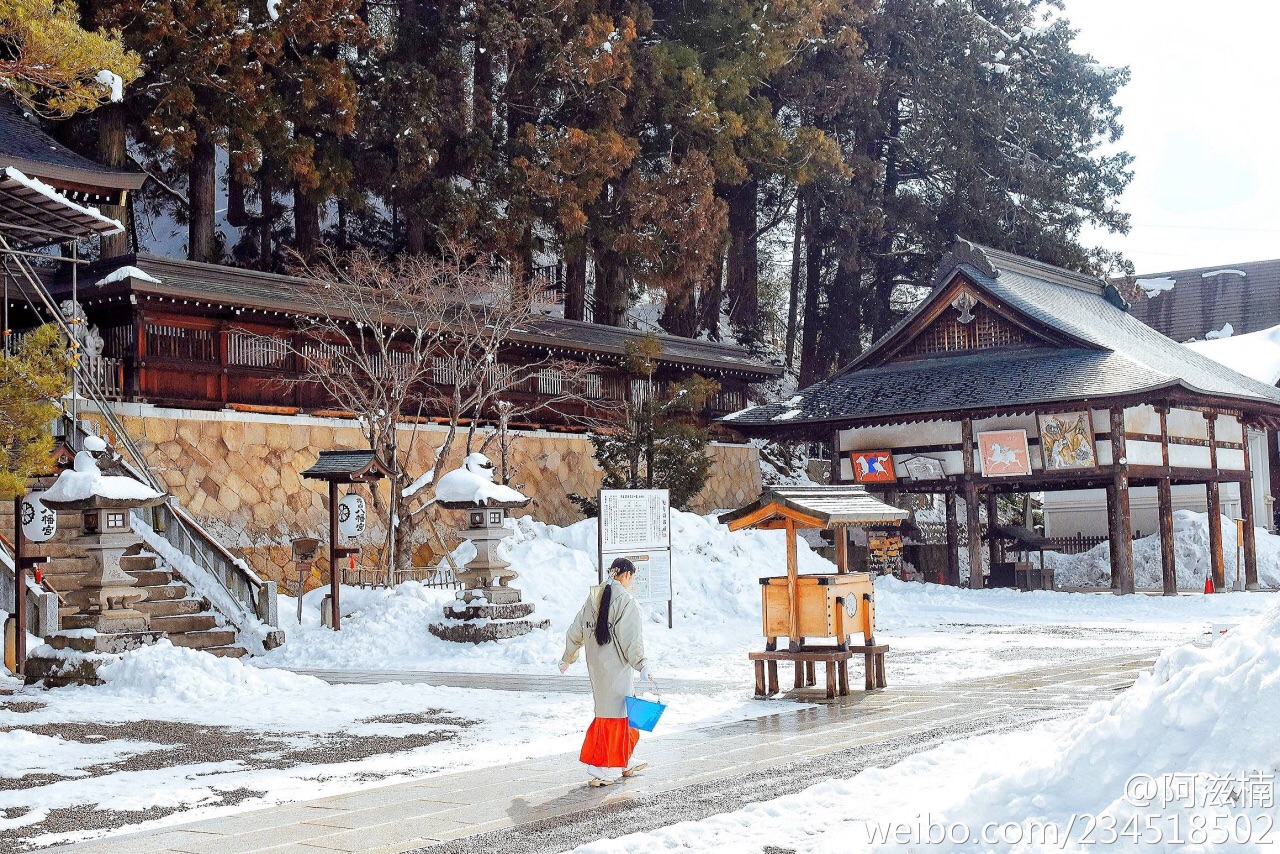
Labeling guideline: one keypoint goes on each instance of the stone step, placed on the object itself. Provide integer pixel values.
(152, 577)
(204, 640)
(184, 623)
(227, 651)
(138, 563)
(172, 607)
(166, 591)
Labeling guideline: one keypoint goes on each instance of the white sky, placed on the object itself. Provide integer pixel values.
(1202, 117)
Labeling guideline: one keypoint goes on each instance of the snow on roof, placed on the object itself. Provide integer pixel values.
(1256, 354)
(1155, 286)
(86, 481)
(1225, 332)
(1211, 273)
(49, 192)
(127, 272)
(473, 484)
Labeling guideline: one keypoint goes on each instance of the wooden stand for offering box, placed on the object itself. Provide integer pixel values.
(805, 607)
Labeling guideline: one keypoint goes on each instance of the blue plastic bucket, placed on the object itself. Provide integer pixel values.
(643, 714)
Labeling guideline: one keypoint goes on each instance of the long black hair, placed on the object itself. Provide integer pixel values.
(618, 567)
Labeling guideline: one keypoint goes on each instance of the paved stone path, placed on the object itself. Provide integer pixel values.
(542, 804)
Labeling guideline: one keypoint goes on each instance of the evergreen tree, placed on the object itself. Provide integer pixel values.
(31, 379)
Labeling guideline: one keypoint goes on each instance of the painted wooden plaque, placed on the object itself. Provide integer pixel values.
(1066, 441)
(873, 466)
(1004, 453)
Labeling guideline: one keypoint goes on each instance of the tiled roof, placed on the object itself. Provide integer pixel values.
(832, 505)
(272, 292)
(1204, 299)
(1113, 354)
(29, 149)
(341, 465)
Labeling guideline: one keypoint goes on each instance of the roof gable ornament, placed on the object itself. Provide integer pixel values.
(964, 252)
(965, 304)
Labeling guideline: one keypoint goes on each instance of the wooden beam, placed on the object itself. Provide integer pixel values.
(335, 574)
(842, 549)
(793, 598)
(953, 541)
(1119, 521)
(1168, 571)
(1216, 566)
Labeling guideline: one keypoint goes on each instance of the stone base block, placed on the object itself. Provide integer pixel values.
(512, 611)
(118, 621)
(100, 642)
(480, 632)
(494, 595)
(69, 658)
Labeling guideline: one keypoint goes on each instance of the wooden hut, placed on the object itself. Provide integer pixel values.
(1017, 377)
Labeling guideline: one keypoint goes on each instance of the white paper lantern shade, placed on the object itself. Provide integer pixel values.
(39, 523)
(352, 515)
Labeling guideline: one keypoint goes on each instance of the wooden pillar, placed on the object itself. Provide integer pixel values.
(993, 520)
(335, 574)
(971, 506)
(1217, 568)
(1250, 533)
(1168, 572)
(1119, 522)
(19, 591)
(793, 598)
(842, 549)
(953, 541)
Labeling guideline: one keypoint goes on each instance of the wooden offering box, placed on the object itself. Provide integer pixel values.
(830, 606)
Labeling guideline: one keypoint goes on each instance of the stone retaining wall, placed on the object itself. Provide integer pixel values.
(240, 474)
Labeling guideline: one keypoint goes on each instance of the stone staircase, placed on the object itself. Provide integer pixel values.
(185, 619)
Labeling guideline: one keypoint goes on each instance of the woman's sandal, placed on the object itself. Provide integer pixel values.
(597, 783)
(635, 769)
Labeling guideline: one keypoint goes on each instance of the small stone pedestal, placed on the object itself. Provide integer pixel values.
(487, 608)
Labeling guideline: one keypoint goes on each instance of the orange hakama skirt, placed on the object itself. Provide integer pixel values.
(609, 743)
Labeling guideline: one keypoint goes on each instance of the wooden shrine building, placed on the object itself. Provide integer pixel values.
(1016, 377)
(190, 335)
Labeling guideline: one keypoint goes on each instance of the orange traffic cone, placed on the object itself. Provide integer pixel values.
(1208, 584)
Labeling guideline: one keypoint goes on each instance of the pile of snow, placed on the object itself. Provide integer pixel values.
(1155, 287)
(1254, 354)
(164, 672)
(1191, 557)
(1226, 331)
(473, 484)
(127, 272)
(84, 480)
(717, 602)
(113, 82)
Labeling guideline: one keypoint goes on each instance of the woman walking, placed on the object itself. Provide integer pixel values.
(610, 626)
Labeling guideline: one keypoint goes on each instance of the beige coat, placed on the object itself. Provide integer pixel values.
(612, 666)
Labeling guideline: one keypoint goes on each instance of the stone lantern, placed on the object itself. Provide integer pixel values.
(486, 594)
(105, 502)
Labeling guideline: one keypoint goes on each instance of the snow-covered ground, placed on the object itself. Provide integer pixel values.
(176, 734)
(1185, 759)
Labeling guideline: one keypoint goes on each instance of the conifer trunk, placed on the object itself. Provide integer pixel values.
(111, 152)
(743, 267)
(793, 303)
(611, 298)
(575, 282)
(810, 369)
(306, 222)
(202, 184)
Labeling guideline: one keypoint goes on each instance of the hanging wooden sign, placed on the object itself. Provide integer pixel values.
(873, 466)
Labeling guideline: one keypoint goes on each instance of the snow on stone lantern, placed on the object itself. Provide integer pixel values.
(105, 502)
(488, 607)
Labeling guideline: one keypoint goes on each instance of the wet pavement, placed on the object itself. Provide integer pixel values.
(543, 805)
